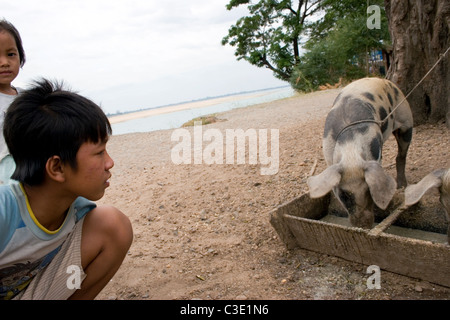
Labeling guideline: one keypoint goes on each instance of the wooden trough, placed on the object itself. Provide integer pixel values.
(405, 241)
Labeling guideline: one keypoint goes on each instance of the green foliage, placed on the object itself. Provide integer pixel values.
(341, 48)
(337, 46)
(269, 37)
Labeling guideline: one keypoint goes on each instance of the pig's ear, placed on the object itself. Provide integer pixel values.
(414, 192)
(323, 183)
(382, 186)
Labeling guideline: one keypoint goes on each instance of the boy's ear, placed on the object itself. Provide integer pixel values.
(55, 169)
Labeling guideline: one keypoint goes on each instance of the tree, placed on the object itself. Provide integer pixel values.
(420, 33)
(270, 36)
(339, 45)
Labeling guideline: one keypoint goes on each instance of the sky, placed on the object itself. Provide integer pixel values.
(134, 54)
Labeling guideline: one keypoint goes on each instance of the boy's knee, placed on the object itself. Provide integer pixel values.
(119, 226)
(113, 224)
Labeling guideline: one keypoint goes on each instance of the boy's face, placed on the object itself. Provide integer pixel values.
(9, 61)
(91, 177)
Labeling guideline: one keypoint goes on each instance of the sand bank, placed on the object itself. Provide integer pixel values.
(184, 106)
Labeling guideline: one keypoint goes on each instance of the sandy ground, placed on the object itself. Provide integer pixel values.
(203, 232)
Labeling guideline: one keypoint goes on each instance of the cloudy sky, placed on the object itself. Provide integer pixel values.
(128, 55)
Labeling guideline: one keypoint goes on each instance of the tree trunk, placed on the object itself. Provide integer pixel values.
(420, 34)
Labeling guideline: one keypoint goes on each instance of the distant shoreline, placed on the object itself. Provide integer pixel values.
(187, 105)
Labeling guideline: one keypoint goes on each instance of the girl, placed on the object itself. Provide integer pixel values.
(12, 58)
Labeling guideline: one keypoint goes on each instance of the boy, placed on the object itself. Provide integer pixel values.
(52, 237)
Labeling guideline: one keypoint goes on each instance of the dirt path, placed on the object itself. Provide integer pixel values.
(203, 231)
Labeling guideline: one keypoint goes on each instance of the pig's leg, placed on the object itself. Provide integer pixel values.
(403, 138)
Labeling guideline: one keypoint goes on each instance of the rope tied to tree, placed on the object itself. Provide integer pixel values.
(441, 56)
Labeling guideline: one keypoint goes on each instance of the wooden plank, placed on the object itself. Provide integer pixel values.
(411, 257)
(298, 224)
(312, 208)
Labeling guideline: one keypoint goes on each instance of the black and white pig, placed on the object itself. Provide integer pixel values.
(352, 145)
(438, 179)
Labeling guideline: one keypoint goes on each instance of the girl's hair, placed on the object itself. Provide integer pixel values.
(8, 27)
(47, 120)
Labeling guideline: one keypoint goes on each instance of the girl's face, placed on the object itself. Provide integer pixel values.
(9, 62)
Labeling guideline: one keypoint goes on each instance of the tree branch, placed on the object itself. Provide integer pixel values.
(268, 65)
(312, 5)
(300, 5)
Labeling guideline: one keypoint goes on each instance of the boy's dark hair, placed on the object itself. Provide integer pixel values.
(8, 27)
(47, 120)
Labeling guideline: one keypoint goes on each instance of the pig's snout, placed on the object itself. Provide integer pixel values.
(362, 218)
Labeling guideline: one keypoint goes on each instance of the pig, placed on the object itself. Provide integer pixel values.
(438, 179)
(353, 138)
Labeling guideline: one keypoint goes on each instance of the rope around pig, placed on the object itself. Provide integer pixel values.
(380, 123)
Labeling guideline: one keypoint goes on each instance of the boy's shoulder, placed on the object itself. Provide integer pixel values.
(13, 200)
(12, 196)
(7, 195)
(82, 206)
(9, 203)
(10, 216)
(14, 213)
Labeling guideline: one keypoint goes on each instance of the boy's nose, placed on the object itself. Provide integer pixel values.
(109, 162)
